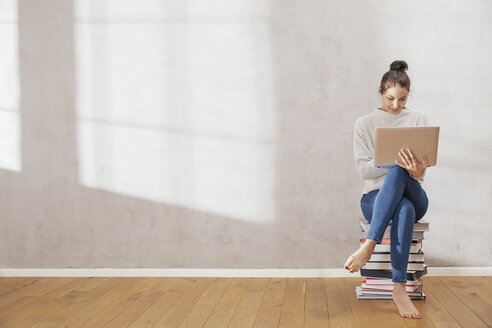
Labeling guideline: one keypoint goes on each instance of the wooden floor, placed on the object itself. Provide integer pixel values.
(233, 302)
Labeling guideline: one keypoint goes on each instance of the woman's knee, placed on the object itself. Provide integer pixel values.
(397, 170)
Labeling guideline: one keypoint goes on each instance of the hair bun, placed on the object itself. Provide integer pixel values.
(399, 65)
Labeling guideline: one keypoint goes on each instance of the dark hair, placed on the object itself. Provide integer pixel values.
(396, 76)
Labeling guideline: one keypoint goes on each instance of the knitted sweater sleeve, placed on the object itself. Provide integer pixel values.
(364, 156)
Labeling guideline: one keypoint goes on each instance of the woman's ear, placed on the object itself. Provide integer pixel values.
(379, 90)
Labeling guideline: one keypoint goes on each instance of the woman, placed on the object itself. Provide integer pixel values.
(390, 193)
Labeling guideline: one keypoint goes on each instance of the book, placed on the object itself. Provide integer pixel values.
(411, 274)
(386, 257)
(376, 287)
(385, 292)
(384, 281)
(387, 234)
(361, 294)
(388, 241)
(421, 225)
(386, 297)
(417, 266)
(385, 246)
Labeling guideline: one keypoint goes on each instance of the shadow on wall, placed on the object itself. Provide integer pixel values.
(186, 137)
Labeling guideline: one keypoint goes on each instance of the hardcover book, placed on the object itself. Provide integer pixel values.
(411, 275)
(370, 295)
(421, 225)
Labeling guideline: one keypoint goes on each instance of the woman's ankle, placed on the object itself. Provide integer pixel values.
(399, 287)
(369, 245)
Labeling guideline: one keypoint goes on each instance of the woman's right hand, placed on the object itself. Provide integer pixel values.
(411, 164)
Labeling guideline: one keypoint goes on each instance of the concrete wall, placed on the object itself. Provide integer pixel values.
(218, 134)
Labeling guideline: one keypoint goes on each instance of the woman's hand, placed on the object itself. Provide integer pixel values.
(411, 164)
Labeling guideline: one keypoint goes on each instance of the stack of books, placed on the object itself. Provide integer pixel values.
(377, 271)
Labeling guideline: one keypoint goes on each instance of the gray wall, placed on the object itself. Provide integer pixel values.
(192, 134)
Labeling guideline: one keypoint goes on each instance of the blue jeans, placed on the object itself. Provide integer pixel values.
(401, 201)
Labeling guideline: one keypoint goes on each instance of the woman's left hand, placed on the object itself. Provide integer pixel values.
(411, 164)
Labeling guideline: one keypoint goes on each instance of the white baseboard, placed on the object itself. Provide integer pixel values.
(295, 273)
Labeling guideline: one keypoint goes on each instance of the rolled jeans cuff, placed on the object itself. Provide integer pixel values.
(400, 282)
(377, 240)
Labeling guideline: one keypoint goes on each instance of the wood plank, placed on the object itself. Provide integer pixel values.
(162, 305)
(480, 285)
(119, 302)
(6, 282)
(16, 291)
(454, 305)
(135, 310)
(388, 315)
(45, 324)
(34, 309)
(425, 321)
(245, 315)
(76, 300)
(339, 310)
(25, 291)
(432, 309)
(474, 301)
(316, 309)
(271, 304)
(362, 310)
(109, 291)
(292, 314)
(223, 312)
(182, 307)
(206, 304)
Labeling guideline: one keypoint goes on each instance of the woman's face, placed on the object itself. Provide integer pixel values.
(394, 99)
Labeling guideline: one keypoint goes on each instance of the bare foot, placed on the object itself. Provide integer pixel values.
(360, 257)
(403, 302)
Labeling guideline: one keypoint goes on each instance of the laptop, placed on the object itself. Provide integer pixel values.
(420, 140)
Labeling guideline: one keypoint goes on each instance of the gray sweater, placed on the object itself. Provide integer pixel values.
(364, 142)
